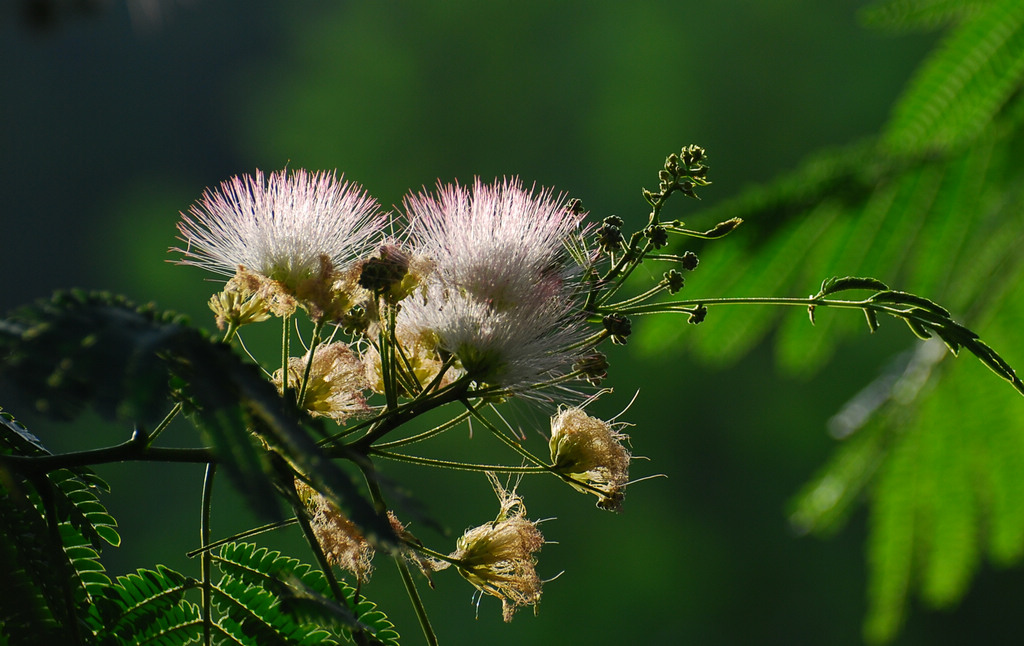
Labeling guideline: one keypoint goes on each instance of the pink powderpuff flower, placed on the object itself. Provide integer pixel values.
(284, 226)
(502, 292)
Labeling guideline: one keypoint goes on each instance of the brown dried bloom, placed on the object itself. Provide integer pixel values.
(241, 302)
(419, 350)
(342, 542)
(336, 382)
(497, 558)
(590, 451)
(426, 564)
(326, 295)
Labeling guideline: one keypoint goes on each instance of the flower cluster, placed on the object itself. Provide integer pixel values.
(501, 296)
(488, 291)
(294, 236)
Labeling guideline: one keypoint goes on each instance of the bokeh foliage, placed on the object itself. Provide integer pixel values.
(933, 204)
(642, 81)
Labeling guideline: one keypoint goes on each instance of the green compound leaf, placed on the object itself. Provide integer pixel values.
(52, 528)
(146, 607)
(78, 350)
(304, 593)
(940, 462)
(73, 491)
(965, 83)
(178, 625)
(934, 206)
(83, 507)
(925, 15)
(34, 607)
(836, 284)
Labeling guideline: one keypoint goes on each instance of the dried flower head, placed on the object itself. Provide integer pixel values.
(241, 301)
(501, 294)
(297, 230)
(426, 564)
(336, 382)
(497, 558)
(342, 542)
(590, 451)
(419, 362)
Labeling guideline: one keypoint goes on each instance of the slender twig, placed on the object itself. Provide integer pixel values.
(456, 466)
(207, 561)
(402, 414)
(164, 423)
(521, 450)
(639, 298)
(388, 369)
(417, 602)
(810, 301)
(134, 450)
(239, 536)
(438, 378)
(285, 336)
(426, 435)
(313, 344)
(377, 496)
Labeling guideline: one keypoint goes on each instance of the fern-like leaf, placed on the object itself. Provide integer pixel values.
(77, 350)
(913, 15)
(34, 607)
(304, 592)
(257, 614)
(956, 95)
(128, 609)
(934, 207)
(83, 508)
(178, 625)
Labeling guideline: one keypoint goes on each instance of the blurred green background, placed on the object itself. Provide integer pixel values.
(112, 121)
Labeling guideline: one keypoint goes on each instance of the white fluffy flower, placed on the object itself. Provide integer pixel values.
(501, 295)
(281, 227)
(503, 244)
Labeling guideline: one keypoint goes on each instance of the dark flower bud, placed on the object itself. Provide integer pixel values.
(594, 367)
(609, 237)
(674, 280)
(619, 327)
(575, 206)
(698, 314)
(690, 261)
(657, 236)
(389, 268)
